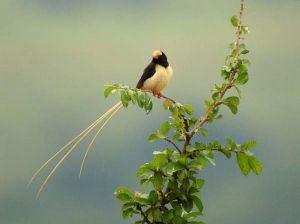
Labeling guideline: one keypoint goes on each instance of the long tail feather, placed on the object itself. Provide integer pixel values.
(80, 137)
(69, 143)
(94, 138)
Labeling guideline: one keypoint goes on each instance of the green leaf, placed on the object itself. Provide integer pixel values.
(139, 222)
(234, 21)
(127, 213)
(231, 143)
(157, 181)
(187, 205)
(232, 45)
(141, 99)
(190, 148)
(245, 29)
(196, 164)
(188, 109)
(242, 46)
(153, 137)
(198, 203)
(173, 167)
(164, 128)
(232, 102)
(160, 159)
(242, 78)
(124, 194)
(225, 74)
(192, 215)
(242, 160)
(143, 170)
(204, 132)
(153, 197)
(200, 183)
(125, 98)
(142, 199)
(255, 165)
(108, 90)
(226, 152)
(245, 51)
(148, 106)
(157, 215)
(167, 104)
(249, 144)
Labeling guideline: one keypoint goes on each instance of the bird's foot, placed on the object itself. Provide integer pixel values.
(157, 94)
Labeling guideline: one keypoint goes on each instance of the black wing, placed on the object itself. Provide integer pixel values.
(149, 71)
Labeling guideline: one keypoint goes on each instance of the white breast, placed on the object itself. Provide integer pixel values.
(159, 80)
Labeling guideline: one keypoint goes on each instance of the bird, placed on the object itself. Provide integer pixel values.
(156, 77)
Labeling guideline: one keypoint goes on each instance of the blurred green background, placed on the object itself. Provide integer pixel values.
(55, 58)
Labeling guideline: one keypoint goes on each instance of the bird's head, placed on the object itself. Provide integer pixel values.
(159, 57)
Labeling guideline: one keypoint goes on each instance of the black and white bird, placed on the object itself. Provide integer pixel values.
(155, 78)
(157, 74)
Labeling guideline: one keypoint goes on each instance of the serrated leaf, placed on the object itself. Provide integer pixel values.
(243, 163)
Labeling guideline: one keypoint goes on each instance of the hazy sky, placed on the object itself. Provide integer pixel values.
(55, 58)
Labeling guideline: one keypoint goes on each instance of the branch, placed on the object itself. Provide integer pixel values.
(139, 208)
(204, 119)
(172, 143)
